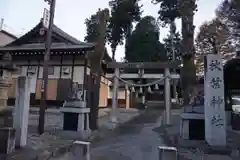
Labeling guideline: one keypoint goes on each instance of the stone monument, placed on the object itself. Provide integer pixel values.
(75, 115)
(214, 105)
(7, 132)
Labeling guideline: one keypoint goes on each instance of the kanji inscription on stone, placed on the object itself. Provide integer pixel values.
(216, 101)
(217, 120)
(215, 65)
(215, 82)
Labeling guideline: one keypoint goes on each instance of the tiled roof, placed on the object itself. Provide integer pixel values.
(56, 30)
(41, 46)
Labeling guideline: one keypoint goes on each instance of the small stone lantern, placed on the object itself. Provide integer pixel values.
(7, 133)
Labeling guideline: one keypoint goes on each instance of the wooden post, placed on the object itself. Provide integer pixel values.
(43, 105)
(115, 96)
(167, 96)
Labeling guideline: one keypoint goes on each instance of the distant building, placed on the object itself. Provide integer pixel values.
(5, 36)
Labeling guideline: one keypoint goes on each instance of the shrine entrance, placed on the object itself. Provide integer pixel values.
(120, 76)
(232, 91)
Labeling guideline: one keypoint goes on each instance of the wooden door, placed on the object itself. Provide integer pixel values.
(51, 89)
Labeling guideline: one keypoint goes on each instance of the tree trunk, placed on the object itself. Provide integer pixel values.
(95, 88)
(189, 69)
(95, 59)
(188, 78)
(113, 54)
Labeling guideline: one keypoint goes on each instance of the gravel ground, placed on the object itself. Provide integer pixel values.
(134, 140)
(48, 142)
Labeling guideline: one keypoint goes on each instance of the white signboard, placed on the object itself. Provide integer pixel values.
(46, 18)
(214, 106)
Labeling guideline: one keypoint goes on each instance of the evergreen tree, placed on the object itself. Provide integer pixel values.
(184, 9)
(123, 14)
(143, 44)
(173, 44)
(229, 14)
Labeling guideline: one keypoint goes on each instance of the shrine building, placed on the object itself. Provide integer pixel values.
(67, 65)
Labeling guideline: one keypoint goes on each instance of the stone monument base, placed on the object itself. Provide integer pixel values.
(192, 126)
(75, 121)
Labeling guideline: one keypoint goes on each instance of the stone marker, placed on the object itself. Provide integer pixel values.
(80, 150)
(21, 110)
(167, 153)
(214, 106)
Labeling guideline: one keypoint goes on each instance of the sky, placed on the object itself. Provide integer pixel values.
(20, 16)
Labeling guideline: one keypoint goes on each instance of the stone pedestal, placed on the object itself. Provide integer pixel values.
(75, 117)
(7, 140)
(21, 110)
(192, 126)
(7, 133)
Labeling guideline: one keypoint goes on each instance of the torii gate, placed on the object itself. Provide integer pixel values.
(141, 66)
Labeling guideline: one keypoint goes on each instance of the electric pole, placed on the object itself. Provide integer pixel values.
(47, 53)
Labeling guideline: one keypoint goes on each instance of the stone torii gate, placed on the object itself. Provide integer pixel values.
(141, 66)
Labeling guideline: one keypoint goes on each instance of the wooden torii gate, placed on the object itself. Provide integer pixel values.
(144, 65)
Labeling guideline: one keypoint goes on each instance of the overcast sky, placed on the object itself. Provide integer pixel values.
(22, 15)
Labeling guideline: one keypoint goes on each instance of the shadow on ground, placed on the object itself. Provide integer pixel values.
(134, 126)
